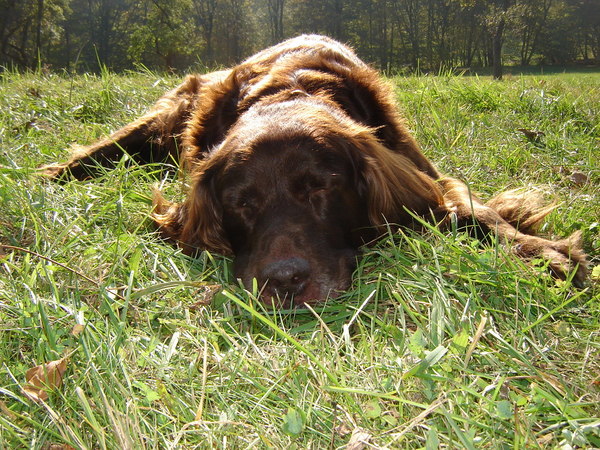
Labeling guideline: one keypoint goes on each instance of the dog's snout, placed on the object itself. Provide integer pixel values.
(286, 276)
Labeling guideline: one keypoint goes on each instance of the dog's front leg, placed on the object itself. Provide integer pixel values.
(154, 137)
(564, 256)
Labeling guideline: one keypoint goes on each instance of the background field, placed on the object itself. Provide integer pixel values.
(441, 341)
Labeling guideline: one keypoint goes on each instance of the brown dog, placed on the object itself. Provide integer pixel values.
(298, 156)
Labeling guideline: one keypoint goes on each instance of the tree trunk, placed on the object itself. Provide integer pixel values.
(276, 20)
(38, 30)
(205, 21)
(337, 20)
(497, 49)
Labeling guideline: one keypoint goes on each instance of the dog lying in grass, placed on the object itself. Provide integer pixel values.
(298, 156)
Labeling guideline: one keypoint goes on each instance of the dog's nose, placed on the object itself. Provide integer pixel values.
(286, 277)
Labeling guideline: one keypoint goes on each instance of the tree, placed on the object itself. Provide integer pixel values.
(587, 22)
(235, 22)
(29, 29)
(204, 16)
(468, 41)
(275, 13)
(496, 20)
(162, 33)
(408, 16)
(102, 17)
(558, 41)
(391, 33)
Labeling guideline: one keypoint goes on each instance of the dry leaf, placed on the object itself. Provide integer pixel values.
(545, 439)
(77, 329)
(6, 411)
(579, 178)
(343, 430)
(532, 135)
(359, 440)
(42, 378)
(207, 294)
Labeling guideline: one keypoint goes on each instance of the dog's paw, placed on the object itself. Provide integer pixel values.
(565, 257)
(61, 173)
(53, 171)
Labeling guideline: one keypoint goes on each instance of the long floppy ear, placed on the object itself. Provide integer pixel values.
(392, 184)
(216, 111)
(195, 224)
(367, 98)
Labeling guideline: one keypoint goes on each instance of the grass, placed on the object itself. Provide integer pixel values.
(442, 341)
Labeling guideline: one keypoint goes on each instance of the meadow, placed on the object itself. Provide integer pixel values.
(442, 341)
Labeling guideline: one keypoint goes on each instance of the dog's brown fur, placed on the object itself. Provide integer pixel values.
(306, 99)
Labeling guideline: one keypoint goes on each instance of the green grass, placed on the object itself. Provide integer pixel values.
(441, 341)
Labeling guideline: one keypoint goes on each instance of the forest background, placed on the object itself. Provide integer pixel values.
(394, 35)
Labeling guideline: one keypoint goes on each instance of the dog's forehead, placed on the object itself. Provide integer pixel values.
(276, 154)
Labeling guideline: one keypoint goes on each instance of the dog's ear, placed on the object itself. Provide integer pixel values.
(195, 224)
(370, 101)
(392, 185)
(215, 113)
(361, 92)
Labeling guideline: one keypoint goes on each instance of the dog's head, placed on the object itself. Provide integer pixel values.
(292, 192)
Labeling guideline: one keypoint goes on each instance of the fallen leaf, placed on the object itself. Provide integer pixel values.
(545, 439)
(40, 379)
(595, 273)
(293, 423)
(6, 411)
(532, 135)
(372, 409)
(77, 329)
(207, 294)
(504, 409)
(343, 430)
(359, 440)
(579, 178)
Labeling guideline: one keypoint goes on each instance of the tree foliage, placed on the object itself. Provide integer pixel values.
(393, 34)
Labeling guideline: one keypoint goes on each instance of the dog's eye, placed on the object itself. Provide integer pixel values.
(318, 187)
(312, 188)
(317, 191)
(246, 200)
(247, 204)
(247, 209)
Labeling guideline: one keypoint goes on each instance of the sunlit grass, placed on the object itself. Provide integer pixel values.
(441, 341)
